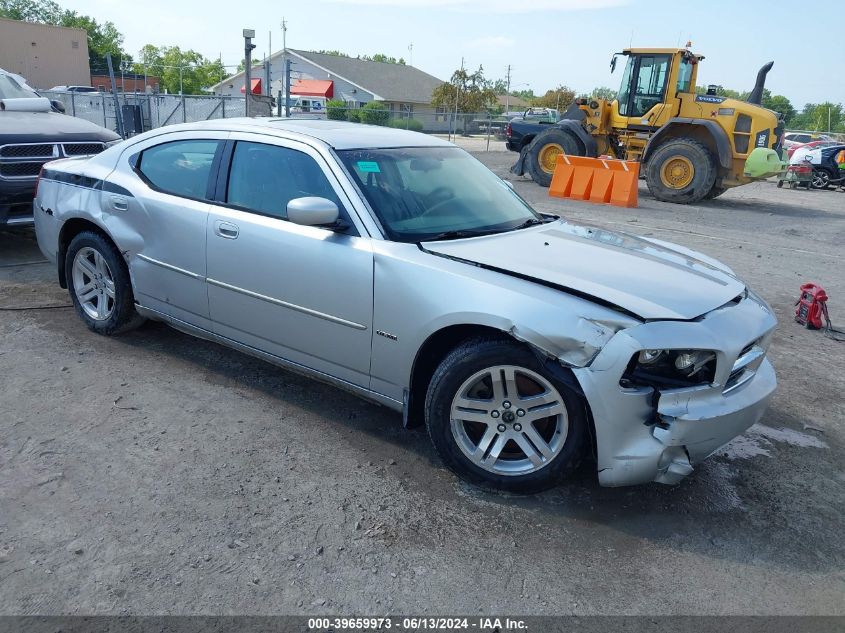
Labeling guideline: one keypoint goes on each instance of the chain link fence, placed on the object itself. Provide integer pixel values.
(141, 112)
(479, 131)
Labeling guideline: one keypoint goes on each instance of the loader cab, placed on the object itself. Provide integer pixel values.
(651, 83)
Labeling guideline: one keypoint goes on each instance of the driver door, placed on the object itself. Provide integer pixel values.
(302, 293)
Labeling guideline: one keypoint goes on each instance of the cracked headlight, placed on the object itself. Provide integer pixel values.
(670, 368)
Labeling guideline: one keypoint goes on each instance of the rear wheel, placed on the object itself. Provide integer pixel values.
(681, 170)
(542, 157)
(499, 420)
(821, 178)
(99, 285)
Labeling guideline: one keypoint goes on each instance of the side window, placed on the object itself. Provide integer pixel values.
(264, 178)
(181, 168)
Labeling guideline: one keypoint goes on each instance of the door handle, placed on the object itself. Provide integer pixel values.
(119, 203)
(226, 229)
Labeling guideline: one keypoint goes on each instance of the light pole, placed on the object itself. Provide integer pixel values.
(248, 46)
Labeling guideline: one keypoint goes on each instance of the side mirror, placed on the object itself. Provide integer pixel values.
(58, 106)
(311, 211)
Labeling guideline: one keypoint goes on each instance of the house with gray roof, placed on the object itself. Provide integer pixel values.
(405, 90)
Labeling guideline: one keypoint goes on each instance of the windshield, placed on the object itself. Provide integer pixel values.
(427, 193)
(11, 89)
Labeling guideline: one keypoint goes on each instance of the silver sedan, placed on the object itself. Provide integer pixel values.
(395, 265)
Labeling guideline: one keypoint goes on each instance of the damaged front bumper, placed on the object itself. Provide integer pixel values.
(643, 435)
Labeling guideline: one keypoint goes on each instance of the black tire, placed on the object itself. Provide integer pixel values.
(540, 146)
(121, 316)
(715, 192)
(821, 178)
(461, 365)
(692, 152)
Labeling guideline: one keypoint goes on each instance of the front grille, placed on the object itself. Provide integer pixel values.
(82, 149)
(20, 170)
(745, 366)
(35, 150)
(24, 161)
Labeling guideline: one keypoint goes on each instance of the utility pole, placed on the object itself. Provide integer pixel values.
(117, 113)
(458, 94)
(248, 46)
(267, 89)
(508, 93)
(287, 88)
(411, 54)
(284, 34)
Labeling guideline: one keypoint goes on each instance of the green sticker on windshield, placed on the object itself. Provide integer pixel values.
(369, 166)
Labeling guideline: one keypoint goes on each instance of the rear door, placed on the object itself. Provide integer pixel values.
(302, 293)
(162, 190)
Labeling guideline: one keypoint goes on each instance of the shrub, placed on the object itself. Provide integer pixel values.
(353, 115)
(375, 113)
(336, 110)
(407, 124)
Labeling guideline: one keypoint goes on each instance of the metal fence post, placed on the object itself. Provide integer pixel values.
(489, 125)
(223, 106)
(184, 114)
(103, 100)
(73, 103)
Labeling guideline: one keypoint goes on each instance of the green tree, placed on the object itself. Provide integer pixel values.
(44, 11)
(336, 110)
(103, 38)
(381, 57)
(720, 92)
(469, 91)
(188, 70)
(603, 92)
(335, 53)
(375, 113)
(779, 104)
(559, 98)
(820, 117)
(526, 94)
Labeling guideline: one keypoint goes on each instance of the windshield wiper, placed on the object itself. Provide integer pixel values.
(527, 223)
(457, 235)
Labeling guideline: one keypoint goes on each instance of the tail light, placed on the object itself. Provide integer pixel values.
(509, 131)
(38, 180)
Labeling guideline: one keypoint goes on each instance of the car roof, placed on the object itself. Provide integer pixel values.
(337, 134)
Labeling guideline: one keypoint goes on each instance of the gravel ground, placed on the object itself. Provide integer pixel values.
(159, 474)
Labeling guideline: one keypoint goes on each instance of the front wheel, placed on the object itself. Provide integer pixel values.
(499, 420)
(543, 153)
(681, 170)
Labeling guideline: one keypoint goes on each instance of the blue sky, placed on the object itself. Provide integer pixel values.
(547, 42)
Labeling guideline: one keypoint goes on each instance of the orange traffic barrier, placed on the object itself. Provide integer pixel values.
(602, 180)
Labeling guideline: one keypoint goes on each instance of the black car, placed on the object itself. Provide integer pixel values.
(33, 131)
(826, 172)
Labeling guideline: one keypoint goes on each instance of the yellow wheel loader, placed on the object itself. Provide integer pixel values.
(692, 146)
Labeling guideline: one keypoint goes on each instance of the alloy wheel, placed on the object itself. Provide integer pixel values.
(509, 420)
(93, 284)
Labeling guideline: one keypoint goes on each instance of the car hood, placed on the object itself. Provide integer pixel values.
(45, 127)
(649, 278)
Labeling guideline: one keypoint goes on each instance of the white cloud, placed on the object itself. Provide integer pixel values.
(493, 6)
(491, 42)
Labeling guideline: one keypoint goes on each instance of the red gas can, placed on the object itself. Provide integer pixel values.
(811, 306)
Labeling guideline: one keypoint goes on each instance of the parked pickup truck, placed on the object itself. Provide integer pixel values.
(522, 129)
(33, 131)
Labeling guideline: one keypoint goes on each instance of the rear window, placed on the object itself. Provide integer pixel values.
(181, 168)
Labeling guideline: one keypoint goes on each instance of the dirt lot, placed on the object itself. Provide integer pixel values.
(156, 473)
